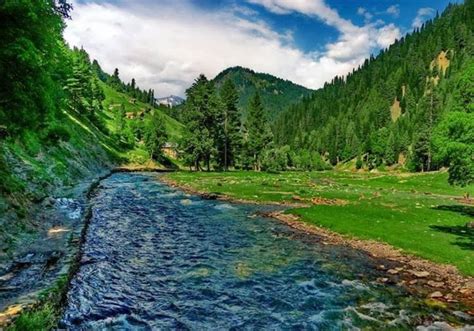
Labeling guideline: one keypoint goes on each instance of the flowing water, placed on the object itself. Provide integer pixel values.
(156, 258)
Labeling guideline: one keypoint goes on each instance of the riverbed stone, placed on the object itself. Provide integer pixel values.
(436, 295)
(433, 283)
(419, 274)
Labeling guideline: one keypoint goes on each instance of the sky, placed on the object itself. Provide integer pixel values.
(166, 44)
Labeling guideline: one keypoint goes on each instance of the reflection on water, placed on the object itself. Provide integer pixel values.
(157, 259)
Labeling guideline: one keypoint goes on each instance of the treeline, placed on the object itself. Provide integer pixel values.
(131, 88)
(217, 137)
(397, 108)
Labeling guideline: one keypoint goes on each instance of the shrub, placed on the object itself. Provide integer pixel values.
(56, 133)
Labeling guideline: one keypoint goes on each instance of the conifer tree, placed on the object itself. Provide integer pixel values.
(154, 135)
(259, 135)
(231, 141)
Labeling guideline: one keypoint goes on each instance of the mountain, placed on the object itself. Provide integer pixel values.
(277, 94)
(170, 101)
(394, 109)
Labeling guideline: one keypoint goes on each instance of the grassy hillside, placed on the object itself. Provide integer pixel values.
(419, 213)
(114, 100)
(48, 162)
(277, 94)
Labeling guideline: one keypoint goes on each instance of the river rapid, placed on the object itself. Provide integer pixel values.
(157, 258)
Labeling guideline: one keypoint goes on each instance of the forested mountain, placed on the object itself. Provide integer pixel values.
(411, 105)
(276, 93)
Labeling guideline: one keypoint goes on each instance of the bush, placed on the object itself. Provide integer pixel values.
(359, 163)
(56, 133)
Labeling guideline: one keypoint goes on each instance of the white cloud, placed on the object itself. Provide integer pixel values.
(364, 12)
(393, 10)
(165, 47)
(422, 15)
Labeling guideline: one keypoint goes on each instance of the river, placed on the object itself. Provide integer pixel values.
(157, 258)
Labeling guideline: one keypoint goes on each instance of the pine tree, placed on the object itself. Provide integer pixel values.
(154, 135)
(231, 144)
(259, 133)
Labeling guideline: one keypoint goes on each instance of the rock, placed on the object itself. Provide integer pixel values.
(49, 202)
(413, 282)
(186, 202)
(470, 225)
(381, 267)
(393, 271)
(419, 274)
(6, 277)
(466, 291)
(436, 295)
(382, 279)
(435, 284)
(463, 315)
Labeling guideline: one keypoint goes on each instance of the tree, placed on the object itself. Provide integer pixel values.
(154, 135)
(453, 142)
(202, 110)
(32, 62)
(231, 125)
(259, 134)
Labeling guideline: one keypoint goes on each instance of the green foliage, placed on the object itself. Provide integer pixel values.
(154, 135)
(230, 147)
(454, 144)
(204, 111)
(56, 133)
(31, 57)
(259, 135)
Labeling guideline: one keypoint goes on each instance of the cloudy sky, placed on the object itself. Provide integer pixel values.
(166, 44)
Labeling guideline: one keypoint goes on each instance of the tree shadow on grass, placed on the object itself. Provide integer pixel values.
(465, 235)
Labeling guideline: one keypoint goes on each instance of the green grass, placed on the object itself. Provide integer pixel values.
(46, 314)
(418, 213)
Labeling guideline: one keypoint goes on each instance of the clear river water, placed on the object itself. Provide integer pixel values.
(157, 258)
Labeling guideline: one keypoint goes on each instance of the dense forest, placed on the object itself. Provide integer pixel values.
(411, 106)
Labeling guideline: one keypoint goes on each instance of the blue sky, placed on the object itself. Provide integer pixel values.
(165, 44)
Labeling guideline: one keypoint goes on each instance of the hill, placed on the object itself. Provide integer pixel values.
(277, 94)
(394, 109)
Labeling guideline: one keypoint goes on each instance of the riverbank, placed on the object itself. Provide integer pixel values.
(442, 284)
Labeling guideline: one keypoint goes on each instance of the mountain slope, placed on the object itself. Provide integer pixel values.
(387, 111)
(276, 93)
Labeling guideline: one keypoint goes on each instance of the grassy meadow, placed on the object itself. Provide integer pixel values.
(419, 213)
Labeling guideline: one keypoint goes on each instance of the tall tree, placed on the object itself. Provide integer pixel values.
(154, 135)
(259, 134)
(231, 126)
(202, 111)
